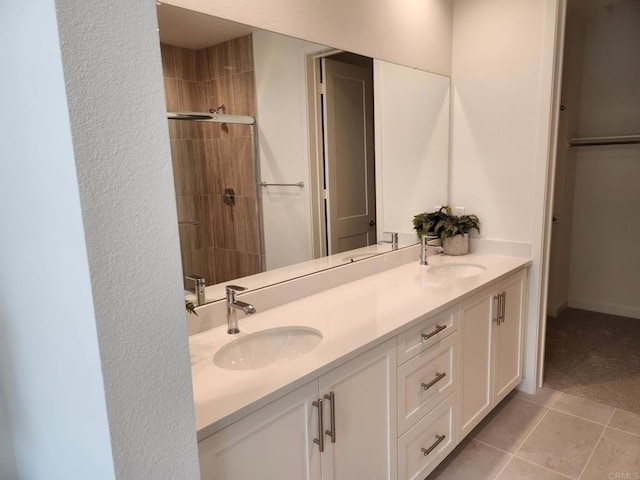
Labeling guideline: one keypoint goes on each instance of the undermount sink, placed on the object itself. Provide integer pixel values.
(260, 349)
(457, 270)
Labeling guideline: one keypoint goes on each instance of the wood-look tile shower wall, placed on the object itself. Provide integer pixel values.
(208, 157)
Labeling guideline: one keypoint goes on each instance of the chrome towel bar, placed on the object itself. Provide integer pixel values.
(266, 184)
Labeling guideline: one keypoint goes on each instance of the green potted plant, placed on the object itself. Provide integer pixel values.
(452, 229)
(190, 307)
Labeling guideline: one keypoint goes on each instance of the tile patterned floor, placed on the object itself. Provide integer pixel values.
(548, 436)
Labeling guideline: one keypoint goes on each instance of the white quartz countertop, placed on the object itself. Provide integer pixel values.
(352, 318)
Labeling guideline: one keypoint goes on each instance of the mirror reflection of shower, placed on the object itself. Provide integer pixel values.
(211, 107)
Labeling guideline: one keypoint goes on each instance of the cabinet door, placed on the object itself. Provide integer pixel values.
(275, 442)
(364, 392)
(509, 336)
(475, 337)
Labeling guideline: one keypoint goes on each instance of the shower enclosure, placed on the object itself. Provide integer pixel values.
(211, 112)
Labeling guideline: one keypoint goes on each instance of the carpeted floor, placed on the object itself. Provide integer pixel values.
(595, 356)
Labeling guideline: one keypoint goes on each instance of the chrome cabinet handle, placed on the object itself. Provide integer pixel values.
(332, 409)
(427, 336)
(502, 305)
(496, 308)
(439, 376)
(320, 440)
(439, 439)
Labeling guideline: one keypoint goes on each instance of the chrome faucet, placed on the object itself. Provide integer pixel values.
(424, 247)
(233, 304)
(394, 240)
(199, 290)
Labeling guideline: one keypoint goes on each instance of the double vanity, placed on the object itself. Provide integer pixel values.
(377, 378)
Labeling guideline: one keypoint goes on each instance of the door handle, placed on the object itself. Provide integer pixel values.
(502, 305)
(439, 376)
(427, 336)
(372, 223)
(320, 440)
(439, 439)
(332, 416)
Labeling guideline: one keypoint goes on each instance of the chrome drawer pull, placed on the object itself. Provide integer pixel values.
(320, 440)
(439, 439)
(332, 407)
(439, 376)
(502, 306)
(427, 336)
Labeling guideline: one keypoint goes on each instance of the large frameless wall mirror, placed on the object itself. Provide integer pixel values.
(303, 157)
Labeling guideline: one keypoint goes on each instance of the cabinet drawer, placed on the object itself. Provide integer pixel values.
(428, 333)
(426, 380)
(422, 448)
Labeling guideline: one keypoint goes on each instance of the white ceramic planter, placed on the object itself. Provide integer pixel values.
(456, 245)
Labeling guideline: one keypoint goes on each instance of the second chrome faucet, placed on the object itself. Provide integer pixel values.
(425, 246)
(233, 305)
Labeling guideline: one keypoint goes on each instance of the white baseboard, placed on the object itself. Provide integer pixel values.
(556, 310)
(500, 247)
(526, 386)
(630, 312)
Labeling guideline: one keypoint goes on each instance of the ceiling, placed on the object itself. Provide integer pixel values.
(189, 29)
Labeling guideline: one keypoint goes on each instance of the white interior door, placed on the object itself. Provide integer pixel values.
(349, 156)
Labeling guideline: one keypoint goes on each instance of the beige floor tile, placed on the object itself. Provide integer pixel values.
(471, 460)
(627, 421)
(522, 470)
(509, 424)
(616, 456)
(543, 396)
(584, 408)
(562, 443)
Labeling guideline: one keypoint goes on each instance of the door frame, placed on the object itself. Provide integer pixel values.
(316, 147)
(545, 254)
(317, 142)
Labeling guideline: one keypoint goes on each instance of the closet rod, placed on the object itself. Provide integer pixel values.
(613, 140)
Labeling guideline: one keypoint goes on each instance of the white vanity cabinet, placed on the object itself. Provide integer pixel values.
(393, 412)
(491, 342)
(281, 440)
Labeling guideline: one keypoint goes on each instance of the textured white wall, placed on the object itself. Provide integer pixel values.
(96, 386)
(496, 109)
(412, 144)
(282, 128)
(111, 60)
(502, 72)
(51, 383)
(416, 34)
